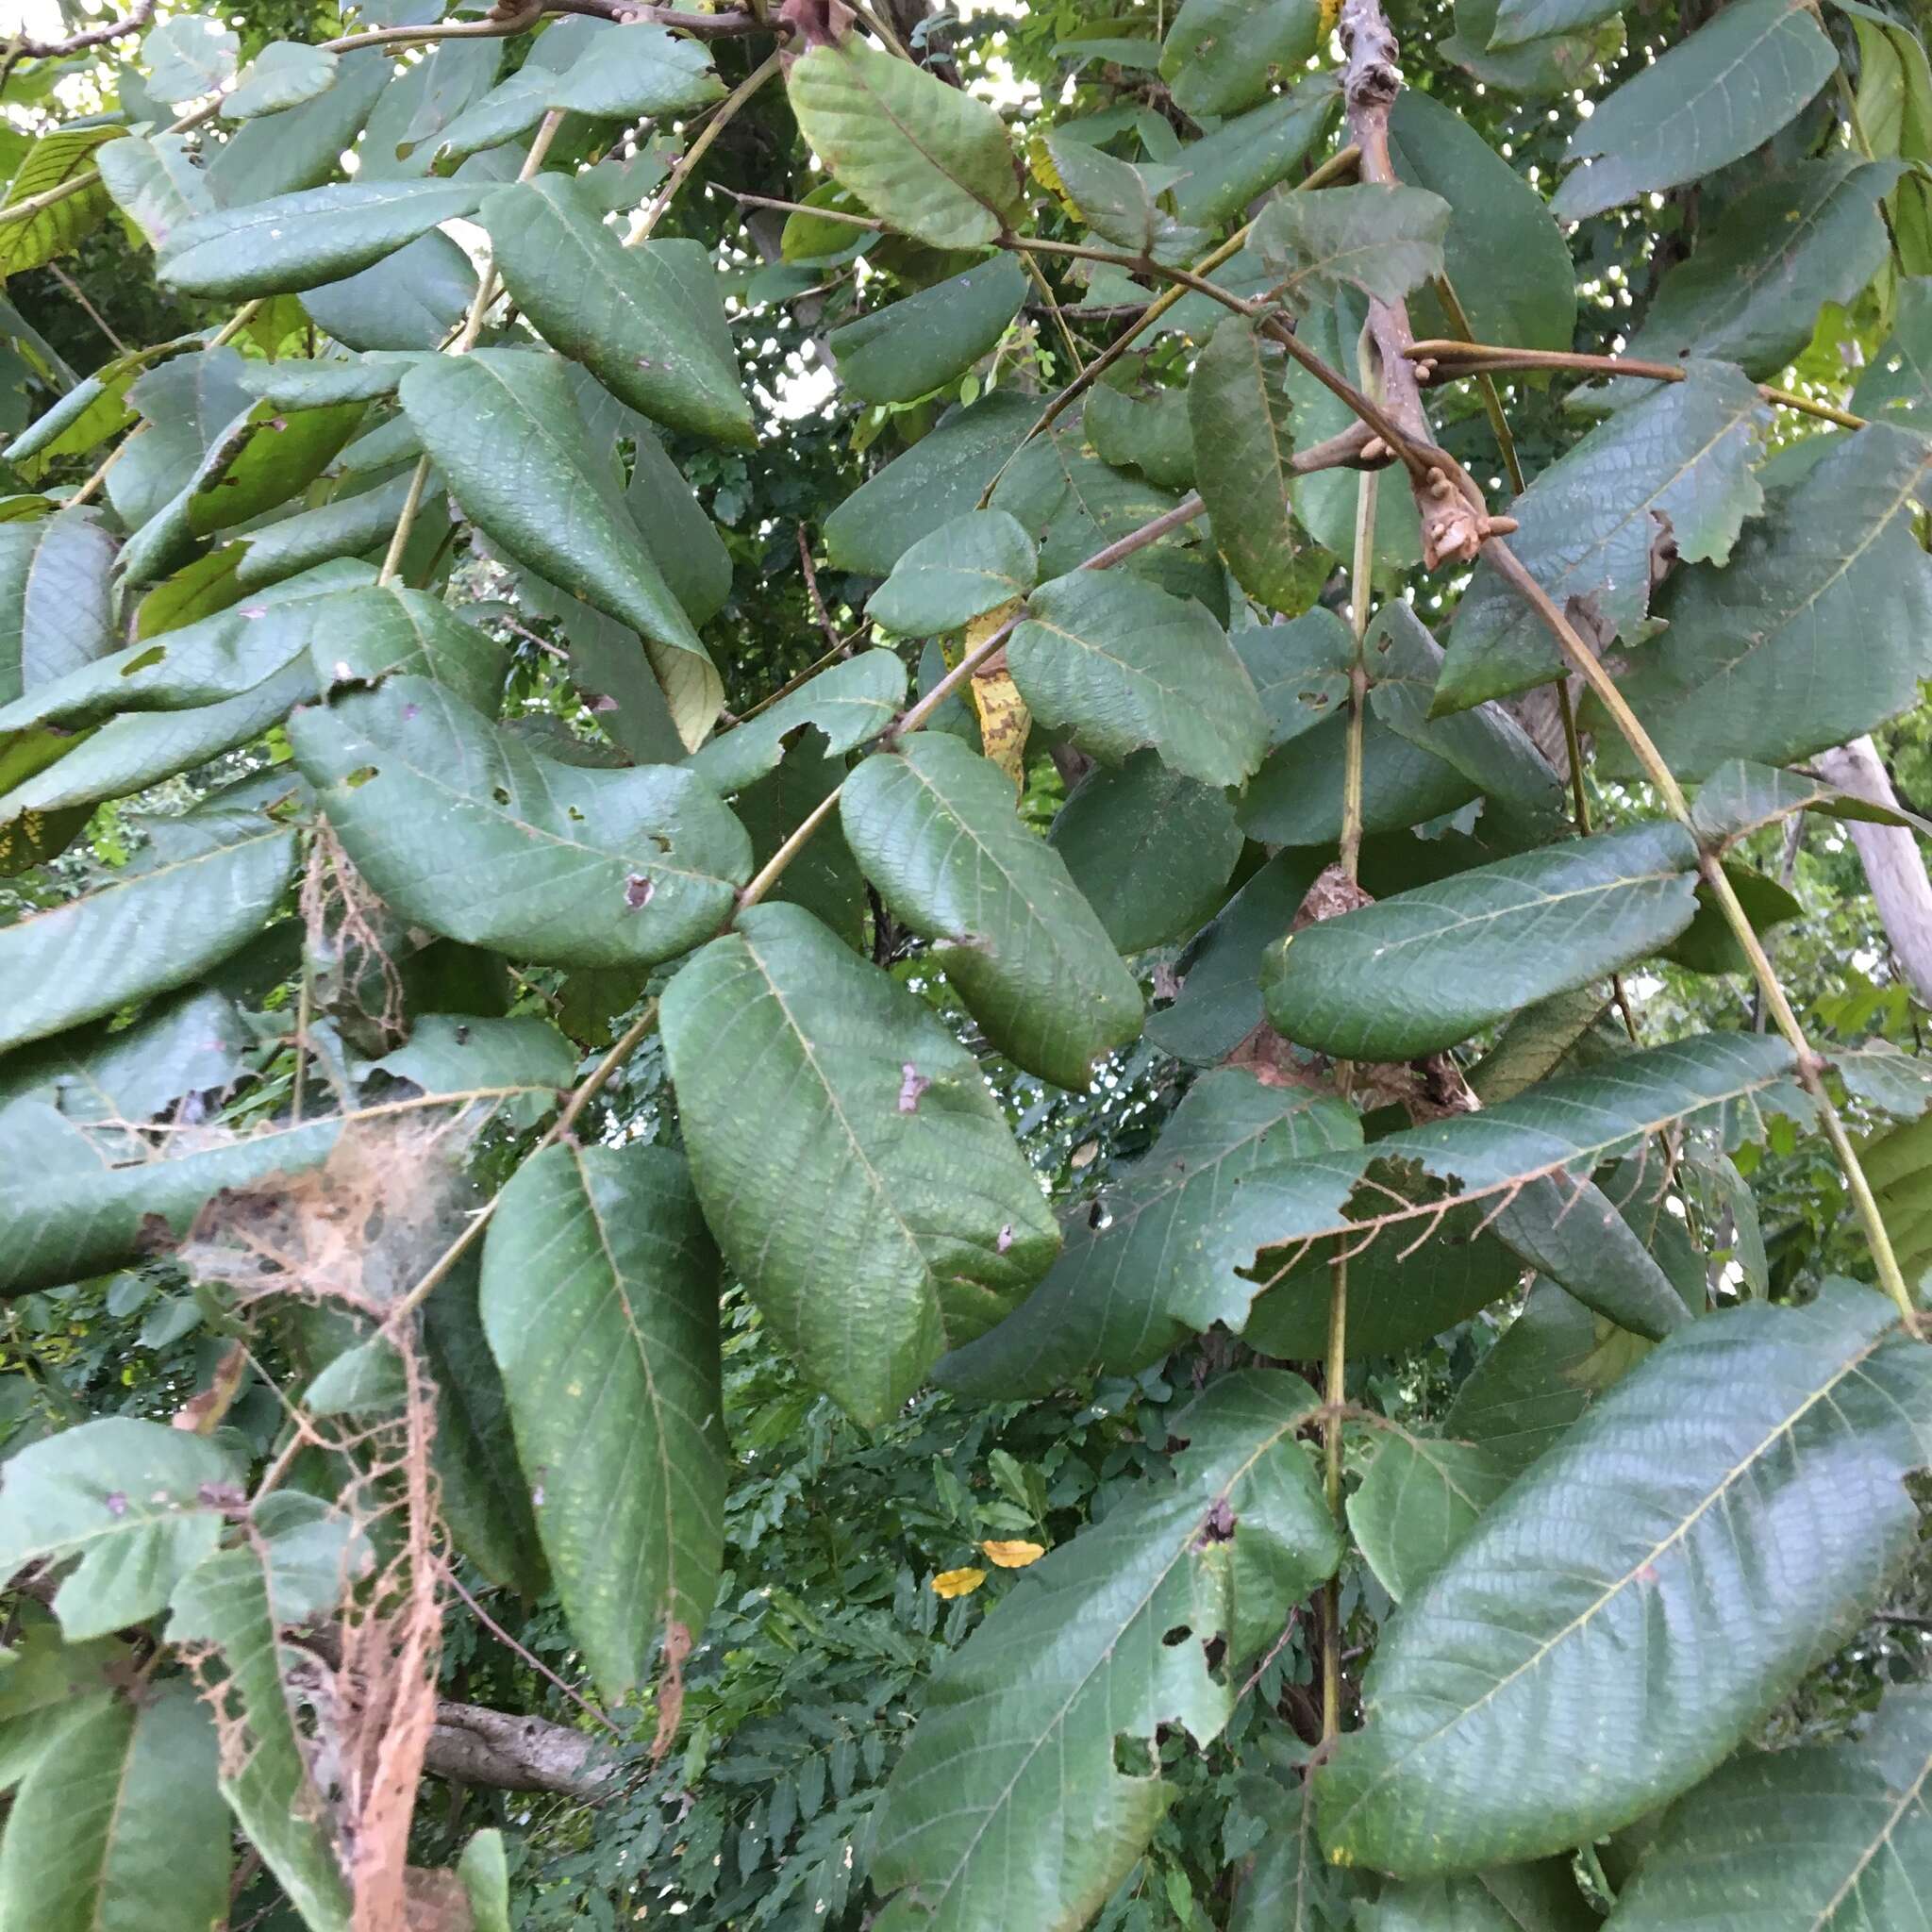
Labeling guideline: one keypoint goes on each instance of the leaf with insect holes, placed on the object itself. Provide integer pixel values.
(842, 707)
(1244, 439)
(463, 830)
(138, 1504)
(852, 1165)
(1041, 1727)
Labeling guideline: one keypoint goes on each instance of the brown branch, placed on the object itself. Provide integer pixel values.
(131, 22)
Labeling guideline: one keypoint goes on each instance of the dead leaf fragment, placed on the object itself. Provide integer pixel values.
(951, 1583)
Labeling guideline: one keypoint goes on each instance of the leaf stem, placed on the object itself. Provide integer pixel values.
(1511, 566)
(1455, 359)
(728, 109)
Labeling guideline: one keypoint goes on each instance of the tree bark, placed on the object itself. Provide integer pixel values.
(1894, 868)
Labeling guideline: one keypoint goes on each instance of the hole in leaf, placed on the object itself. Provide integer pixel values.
(145, 661)
(1215, 1651)
(500, 793)
(1177, 1636)
(637, 891)
(1219, 1526)
(360, 777)
(576, 818)
(1135, 1756)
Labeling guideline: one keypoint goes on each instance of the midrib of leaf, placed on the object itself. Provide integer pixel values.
(1539, 903)
(1612, 1590)
(918, 146)
(98, 1885)
(1755, 641)
(961, 830)
(1907, 1798)
(157, 872)
(1689, 105)
(673, 1544)
(1422, 1445)
(1099, 651)
(1106, 1657)
(1576, 1156)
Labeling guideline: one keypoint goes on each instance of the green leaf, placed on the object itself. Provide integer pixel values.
(1147, 433)
(1503, 253)
(849, 1157)
(284, 75)
(1541, 1897)
(1222, 56)
(1382, 241)
(1710, 99)
(635, 69)
(189, 56)
(1122, 665)
(1709, 944)
(1897, 381)
(1244, 439)
(1292, 1887)
(74, 1203)
(1845, 1828)
(302, 146)
(1753, 664)
(961, 570)
(924, 342)
(187, 402)
(1220, 1000)
(53, 160)
(1040, 1729)
(1751, 292)
(235, 1603)
(1740, 798)
(155, 183)
(1244, 157)
(465, 831)
(1533, 1385)
(1150, 850)
(1678, 461)
(484, 1870)
(929, 159)
(683, 541)
(345, 526)
(1421, 1497)
(1899, 1166)
(120, 1823)
(138, 1503)
(1142, 1252)
(1560, 1131)
(503, 426)
(936, 829)
(203, 888)
(842, 707)
(1540, 68)
(55, 601)
(1421, 971)
(1527, 802)
(648, 323)
(600, 1300)
(1114, 198)
(302, 240)
(1762, 1441)
(1297, 796)
(45, 1687)
(1518, 21)
(218, 658)
(940, 477)
(412, 299)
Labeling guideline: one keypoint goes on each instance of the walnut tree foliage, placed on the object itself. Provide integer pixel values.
(922, 999)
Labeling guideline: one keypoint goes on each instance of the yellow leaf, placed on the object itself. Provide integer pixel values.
(958, 1582)
(1004, 721)
(1013, 1556)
